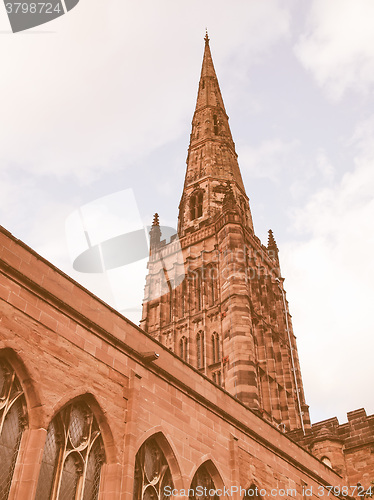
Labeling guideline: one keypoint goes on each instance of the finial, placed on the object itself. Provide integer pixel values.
(155, 234)
(206, 36)
(271, 241)
(156, 221)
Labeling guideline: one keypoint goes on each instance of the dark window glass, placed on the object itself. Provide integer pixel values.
(73, 456)
(12, 422)
(152, 473)
(204, 481)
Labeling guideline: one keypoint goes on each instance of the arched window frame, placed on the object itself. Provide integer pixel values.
(200, 350)
(152, 472)
(183, 298)
(13, 420)
(204, 480)
(198, 290)
(183, 348)
(196, 204)
(215, 124)
(252, 492)
(170, 318)
(216, 351)
(73, 455)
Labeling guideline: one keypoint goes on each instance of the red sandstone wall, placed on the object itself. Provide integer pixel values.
(63, 343)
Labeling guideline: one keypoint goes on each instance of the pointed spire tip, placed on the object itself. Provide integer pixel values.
(156, 221)
(206, 38)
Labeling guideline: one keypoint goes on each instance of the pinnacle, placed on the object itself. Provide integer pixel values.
(271, 241)
(156, 221)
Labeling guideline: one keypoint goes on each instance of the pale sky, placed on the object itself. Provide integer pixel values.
(101, 100)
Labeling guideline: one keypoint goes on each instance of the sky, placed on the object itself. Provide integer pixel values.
(99, 102)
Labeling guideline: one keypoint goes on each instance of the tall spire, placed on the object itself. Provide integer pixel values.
(212, 159)
(209, 93)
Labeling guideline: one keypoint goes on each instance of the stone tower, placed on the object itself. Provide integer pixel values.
(214, 293)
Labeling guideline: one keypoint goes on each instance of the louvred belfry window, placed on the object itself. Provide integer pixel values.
(152, 473)
(202, 482)
(13, 417)
(196, 205)
(73, 456)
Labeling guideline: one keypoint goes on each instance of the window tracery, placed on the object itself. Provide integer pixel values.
(13, 417)
(204, 481)
(152, 473)
(73, 456)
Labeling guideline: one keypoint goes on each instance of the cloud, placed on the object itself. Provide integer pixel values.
(269, 159)
(337, 47)
(97, 93)
(335, 261)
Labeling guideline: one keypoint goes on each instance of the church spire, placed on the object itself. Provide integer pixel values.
(226, 313)
(212, 159)
(209, 93)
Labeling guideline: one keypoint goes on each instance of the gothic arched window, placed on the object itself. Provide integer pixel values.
(215, 124)
(200, 350)
(170, 306)
(152, 473)
(196, 205)
(183, 298)
(215, 347)
(183, 348)
(73, 456)
(202, 482)
(252, 492)
(13, 417)
(198, 290)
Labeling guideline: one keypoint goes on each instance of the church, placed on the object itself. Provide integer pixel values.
(205, 399)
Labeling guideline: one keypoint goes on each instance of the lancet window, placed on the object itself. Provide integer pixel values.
(73, 456)
(183, 353)
(196, 205)
(200, 350)
(202, 482)
(252, 492)
(13, 418)
(152, 473)
(215, 348)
